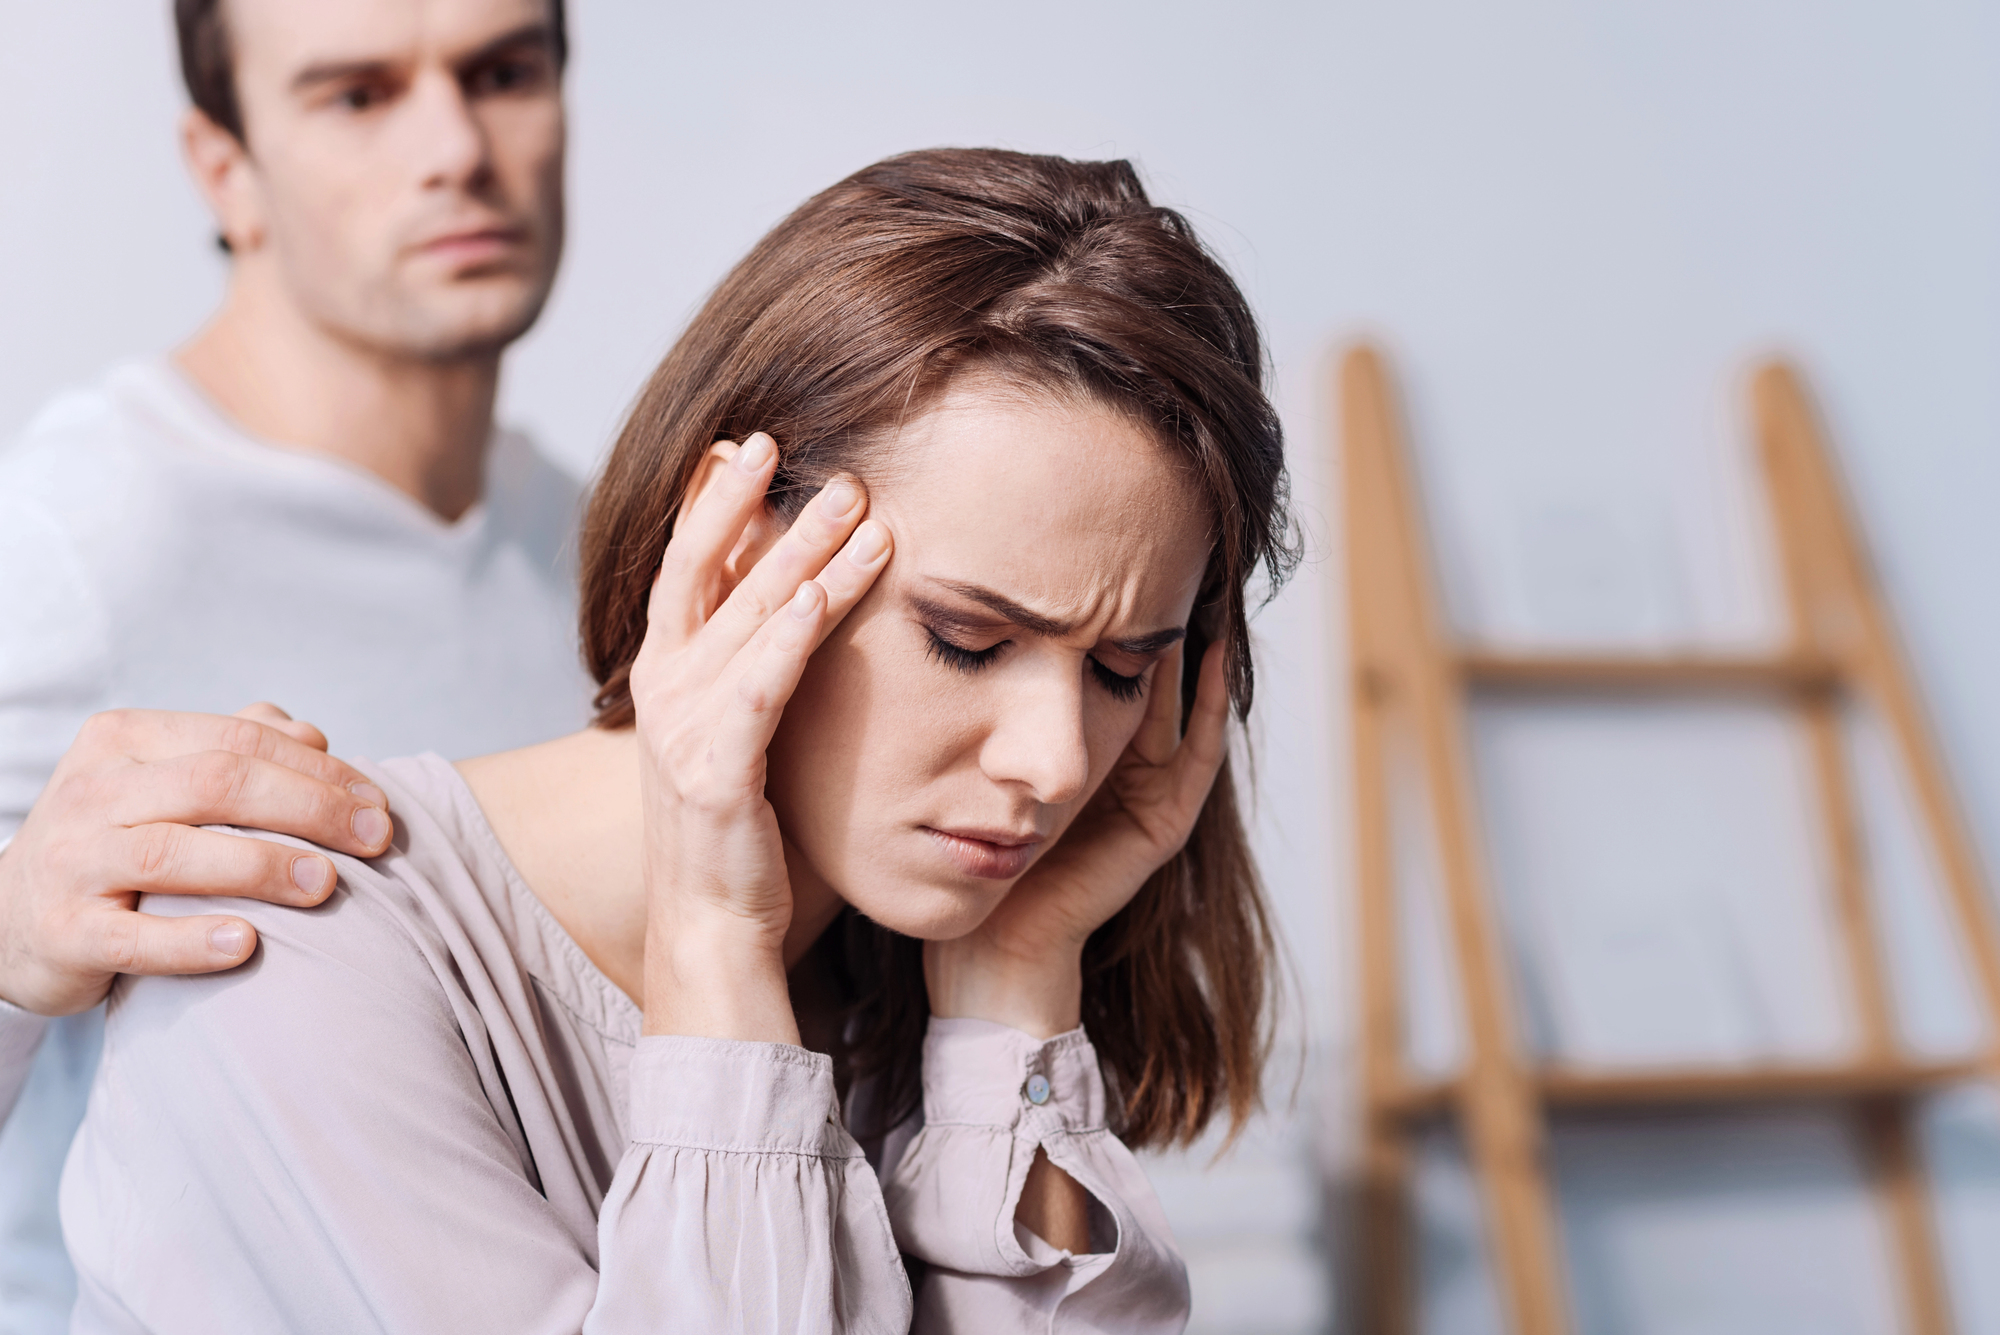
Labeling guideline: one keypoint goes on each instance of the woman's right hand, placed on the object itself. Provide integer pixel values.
(709, 685)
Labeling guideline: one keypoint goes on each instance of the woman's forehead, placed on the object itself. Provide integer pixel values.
(995, 445)
(1062, 503)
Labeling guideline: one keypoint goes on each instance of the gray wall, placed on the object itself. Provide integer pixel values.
(1570, 223)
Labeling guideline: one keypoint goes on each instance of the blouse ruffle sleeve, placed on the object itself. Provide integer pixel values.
(741, 1202)
(992, 1096)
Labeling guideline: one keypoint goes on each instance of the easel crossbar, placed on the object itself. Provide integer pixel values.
(1784, 674)
(1575, 1090)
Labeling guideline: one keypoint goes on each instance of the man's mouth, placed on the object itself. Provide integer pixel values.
(475, 245)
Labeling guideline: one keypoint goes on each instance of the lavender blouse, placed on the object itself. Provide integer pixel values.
(420, 1108)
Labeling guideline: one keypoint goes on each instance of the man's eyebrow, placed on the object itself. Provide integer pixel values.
(333, 71)
(528, 34)
(1001, 605)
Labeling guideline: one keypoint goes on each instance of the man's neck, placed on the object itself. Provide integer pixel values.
(421, 425)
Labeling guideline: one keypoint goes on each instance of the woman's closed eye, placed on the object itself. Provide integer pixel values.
(955, 655)
(1116, 684)
(1119, 686)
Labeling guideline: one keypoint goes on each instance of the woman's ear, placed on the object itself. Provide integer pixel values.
(758, 536)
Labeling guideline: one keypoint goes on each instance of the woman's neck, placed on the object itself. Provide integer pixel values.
(568, 816)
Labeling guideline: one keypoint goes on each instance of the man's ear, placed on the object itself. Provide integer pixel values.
(759, 535)
(223, 172)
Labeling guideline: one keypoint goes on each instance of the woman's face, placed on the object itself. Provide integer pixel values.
(1047, 557)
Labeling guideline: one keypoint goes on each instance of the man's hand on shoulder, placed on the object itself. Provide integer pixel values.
(116, 821)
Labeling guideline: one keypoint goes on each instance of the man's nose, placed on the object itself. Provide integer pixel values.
(1038, 741)
(448, 137)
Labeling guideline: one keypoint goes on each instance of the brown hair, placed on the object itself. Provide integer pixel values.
(209, 70)
(852, 315)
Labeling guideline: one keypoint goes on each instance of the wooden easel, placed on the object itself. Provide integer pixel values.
(1410, 680)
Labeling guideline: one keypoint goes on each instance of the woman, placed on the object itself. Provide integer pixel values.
(925, 828)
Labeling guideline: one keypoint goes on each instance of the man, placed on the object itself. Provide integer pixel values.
(307, 501)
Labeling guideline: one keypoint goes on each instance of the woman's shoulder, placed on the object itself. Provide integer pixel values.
(402, 984)
(386, 1034)
(440, 916)
(396, 921)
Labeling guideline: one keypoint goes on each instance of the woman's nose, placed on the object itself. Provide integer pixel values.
(1038, 742)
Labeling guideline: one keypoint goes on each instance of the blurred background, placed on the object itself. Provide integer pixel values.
(1571, 225)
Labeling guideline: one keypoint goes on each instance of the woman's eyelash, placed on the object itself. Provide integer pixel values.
(965, 660)
(941, 650)
(1119, 686)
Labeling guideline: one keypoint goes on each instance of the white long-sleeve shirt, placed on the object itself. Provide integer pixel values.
(420, 1108)
(154, 555)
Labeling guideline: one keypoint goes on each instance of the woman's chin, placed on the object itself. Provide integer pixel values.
(929, 912)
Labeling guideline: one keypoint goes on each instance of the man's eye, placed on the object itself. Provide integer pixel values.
(359, 97)
(507, 76)
(1121, 687)
(965, 660)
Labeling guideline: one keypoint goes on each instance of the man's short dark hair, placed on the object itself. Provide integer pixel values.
(210, 74)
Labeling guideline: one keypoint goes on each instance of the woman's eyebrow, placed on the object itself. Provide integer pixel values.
(1001, 605)
(1144, 646)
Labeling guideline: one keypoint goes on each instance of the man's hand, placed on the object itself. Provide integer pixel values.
(114, 822)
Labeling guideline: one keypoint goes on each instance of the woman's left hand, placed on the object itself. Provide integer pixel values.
(1023, 966)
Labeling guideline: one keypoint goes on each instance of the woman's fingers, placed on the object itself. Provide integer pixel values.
(773, 662)
(852, 572)
(841, 583)
(804, 550)
(705, 533)
(1206, 744)
(1160, 731)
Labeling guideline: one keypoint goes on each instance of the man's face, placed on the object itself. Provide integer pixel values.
(405, 165)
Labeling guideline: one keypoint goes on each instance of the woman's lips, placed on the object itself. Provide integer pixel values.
(987, 854)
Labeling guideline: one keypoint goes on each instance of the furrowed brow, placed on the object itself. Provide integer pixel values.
(1006, 607)
(1140, 646)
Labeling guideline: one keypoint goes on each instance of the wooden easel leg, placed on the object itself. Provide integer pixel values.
(1399, 634)
(1837, 612)
(1889, 1136)
(1386, 1274)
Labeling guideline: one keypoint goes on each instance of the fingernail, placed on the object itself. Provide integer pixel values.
(870, 541)
(804, 601)
(310, 875)
(838, 500)
(370, 794)
(227, 939)
(371, 826)
(755, 453)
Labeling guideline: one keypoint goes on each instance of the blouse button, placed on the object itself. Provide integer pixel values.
(1038, 1089)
